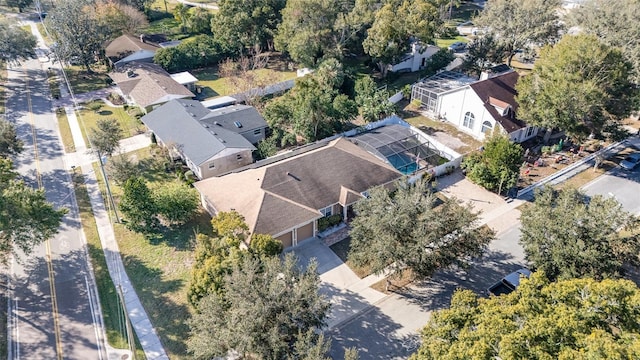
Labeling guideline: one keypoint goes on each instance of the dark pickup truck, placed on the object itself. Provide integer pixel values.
(508, 283)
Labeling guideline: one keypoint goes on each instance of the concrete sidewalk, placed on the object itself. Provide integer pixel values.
(147, 335)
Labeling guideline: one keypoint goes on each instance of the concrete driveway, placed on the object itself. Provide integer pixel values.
(387, 326)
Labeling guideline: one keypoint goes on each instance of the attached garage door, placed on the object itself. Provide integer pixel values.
(305, 232)
(286, 239)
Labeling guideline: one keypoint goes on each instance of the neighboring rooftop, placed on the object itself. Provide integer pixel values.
(179, 122)
(125, 45)
(236, 118)
(445, 81)
(148, 84)
(184, 78)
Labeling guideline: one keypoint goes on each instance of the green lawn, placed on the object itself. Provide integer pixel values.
(54, 83)
(168, 26)
(160, 268)
(445, 43)
(109, 300)
(65, 131)
(213, 85)
(88, 119)
(82, 82)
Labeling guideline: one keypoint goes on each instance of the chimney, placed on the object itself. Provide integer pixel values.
(142, 38)
(485, 74)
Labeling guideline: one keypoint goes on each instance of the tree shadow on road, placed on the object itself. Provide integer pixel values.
(435, 293)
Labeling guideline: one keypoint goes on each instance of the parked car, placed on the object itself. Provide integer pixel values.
(631, 161)
(457, 46)
(508, 283)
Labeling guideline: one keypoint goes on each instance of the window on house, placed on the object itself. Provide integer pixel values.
(211, 165)
(468, 120)
(530, 131)
(257, 131)
(486, 127)
(328, 211)
(239, 157)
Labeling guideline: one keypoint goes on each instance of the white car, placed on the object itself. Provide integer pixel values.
(457, 46)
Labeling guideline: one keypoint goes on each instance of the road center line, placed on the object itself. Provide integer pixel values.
(52, 286)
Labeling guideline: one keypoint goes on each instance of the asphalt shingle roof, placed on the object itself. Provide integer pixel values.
(502, 88)
(178, 122)
(287, 193)
(248, 117)
(150, 85)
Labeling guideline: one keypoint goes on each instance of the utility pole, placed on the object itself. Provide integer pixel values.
(106, 183)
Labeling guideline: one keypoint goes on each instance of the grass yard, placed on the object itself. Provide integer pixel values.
(341, 248)
(89, 119)
(47, 39)
(159, 268)
(445, 43)
(65, 131)
(213, 85)
(54, 83)
(109, 300)
(431, 126)
(82, 82)
(168, 26)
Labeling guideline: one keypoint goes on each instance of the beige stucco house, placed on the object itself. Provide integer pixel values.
(286, 198)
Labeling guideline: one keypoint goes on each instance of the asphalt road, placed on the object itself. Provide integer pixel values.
(621, 184)
(53, 311)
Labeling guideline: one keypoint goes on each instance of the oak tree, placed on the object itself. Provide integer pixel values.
(407, 229)
(9, 142)
(496, 167)
(314, 108)
(566, 234)
(176, 203)
(26, 218)
(76, 31)
(580, 86)
(247, 26)
(15, 42)
(520, 25)
(269, 309)
(105, 137)
(614, 22)
(396, 23)
(569, 319)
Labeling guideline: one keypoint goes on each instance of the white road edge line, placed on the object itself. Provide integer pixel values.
(94, 316)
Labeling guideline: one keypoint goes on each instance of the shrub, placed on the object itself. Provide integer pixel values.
(329, 221)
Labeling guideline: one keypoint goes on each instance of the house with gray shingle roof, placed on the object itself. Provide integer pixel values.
(474, 106)
(286, 198)
(206, 146)
(147, 85)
